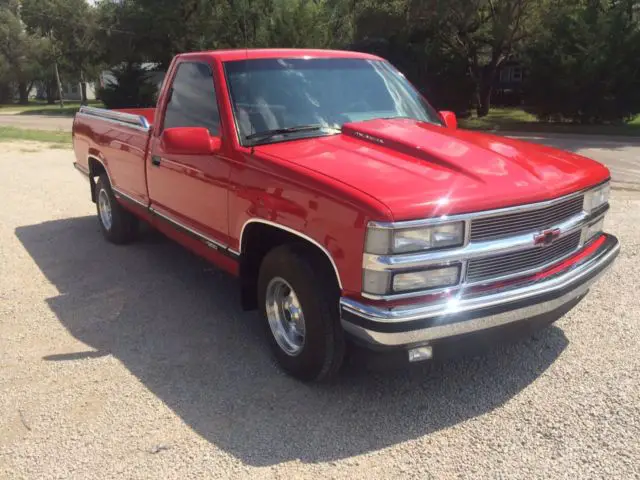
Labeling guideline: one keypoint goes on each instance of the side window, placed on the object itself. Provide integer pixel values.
(193, 99)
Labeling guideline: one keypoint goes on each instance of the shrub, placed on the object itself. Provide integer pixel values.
(584, 67)
(129, 88)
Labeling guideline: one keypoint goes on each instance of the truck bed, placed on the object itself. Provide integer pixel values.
(122, 135)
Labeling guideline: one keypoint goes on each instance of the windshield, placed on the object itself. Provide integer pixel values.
(274, 95)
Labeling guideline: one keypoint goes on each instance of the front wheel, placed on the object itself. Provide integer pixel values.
(117, 224)
(299, 296)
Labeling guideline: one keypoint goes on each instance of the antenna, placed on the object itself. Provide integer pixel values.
(244, 21)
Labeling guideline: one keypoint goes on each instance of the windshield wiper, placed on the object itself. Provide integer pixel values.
(281, 131)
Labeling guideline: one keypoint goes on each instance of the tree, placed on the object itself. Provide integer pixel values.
(6, 90)
(70, 26)
(156, 30)
(584, 66)
(21, 53)
(410, 40)
(130, 88)
(297, 23)
(482, 32)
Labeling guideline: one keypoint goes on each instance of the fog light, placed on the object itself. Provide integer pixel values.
(425, 279)
(420, 354)
(594, 229)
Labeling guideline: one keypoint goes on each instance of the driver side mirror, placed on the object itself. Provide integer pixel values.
(449, 119)
(189, 141)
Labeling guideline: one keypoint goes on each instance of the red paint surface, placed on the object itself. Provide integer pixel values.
(244, 54)
(189, 140)
(449, 119)
(326, 188)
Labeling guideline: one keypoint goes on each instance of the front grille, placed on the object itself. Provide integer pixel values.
(529, 259)
(523, 222)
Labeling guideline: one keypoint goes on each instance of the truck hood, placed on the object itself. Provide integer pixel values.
(420, 170)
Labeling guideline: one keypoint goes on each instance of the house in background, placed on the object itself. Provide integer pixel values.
(71, 91)
(507, 87)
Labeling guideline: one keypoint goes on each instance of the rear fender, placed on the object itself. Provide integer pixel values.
(97, 166)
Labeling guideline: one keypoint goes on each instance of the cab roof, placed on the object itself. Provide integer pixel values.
(252, 54)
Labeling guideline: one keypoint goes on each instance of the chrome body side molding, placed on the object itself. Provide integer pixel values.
(138, 122)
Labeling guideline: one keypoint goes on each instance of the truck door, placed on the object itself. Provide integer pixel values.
(190, 190)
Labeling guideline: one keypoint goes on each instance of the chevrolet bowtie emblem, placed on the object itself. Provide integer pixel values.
(546, 238)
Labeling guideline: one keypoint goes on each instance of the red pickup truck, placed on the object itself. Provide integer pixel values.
(349, 208)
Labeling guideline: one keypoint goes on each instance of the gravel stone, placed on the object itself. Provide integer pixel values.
(137, 362)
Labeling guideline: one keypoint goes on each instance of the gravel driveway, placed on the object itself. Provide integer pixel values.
(137, 362)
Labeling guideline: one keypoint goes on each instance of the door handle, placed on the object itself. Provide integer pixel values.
(155, 160)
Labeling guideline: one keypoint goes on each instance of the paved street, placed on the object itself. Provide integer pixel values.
(137, 362)
(620, 154)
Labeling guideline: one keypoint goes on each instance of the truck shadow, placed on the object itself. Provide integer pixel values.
(175, 323)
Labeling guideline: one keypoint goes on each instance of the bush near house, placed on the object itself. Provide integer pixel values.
(131, 88)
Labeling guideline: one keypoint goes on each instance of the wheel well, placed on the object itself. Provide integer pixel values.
(96, 168)
(258, 239)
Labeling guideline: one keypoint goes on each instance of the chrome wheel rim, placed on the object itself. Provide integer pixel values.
(104, 207)
(285, 315)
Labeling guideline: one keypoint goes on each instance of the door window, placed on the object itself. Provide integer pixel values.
(193, 99)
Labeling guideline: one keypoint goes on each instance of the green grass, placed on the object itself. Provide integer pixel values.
(517, 120)
(42, 108)
(12, 133)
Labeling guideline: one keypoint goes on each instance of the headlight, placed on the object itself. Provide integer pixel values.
(385, 282)
(383, 241)
(595, 198)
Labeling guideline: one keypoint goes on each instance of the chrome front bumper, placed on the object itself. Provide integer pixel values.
(416, 324)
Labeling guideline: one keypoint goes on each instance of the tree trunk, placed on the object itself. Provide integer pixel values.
(5, 92)
(476, 75)
(23, 93)
(484, 100)
(55, 65)
(49, 92)
(83, 93)
(83, 89)
(485, 88)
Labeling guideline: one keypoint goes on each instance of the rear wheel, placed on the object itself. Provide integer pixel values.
(299, 296)
(117, 224)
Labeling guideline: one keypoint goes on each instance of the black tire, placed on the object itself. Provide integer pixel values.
(124, 225)
(315, 286)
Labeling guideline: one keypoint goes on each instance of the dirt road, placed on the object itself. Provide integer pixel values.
(37, 122)
(137, 362)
